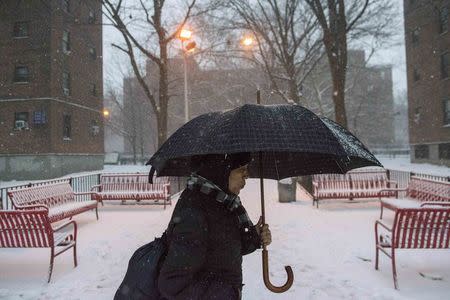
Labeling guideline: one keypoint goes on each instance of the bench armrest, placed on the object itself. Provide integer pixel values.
(95, 187)
(378, 222)
(435, 203)
(33, 206)
(65, 224)
(392, 190)
(73, 223)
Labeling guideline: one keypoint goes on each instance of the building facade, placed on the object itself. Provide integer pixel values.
(369, 99)
(427, 41)
(51, 90)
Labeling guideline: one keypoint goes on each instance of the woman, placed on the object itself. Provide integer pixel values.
(211, 233)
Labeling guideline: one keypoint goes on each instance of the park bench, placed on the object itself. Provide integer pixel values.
(59, 198)
(124, 187)
(32, 229)
(413, 228)
(355, 184)
(420, 192)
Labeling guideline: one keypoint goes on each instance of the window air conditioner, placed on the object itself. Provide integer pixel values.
(20, 124)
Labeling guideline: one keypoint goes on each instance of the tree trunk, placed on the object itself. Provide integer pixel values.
(163, 95)
(339, 98)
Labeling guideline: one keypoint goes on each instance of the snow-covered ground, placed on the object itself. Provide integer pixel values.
(330, 249)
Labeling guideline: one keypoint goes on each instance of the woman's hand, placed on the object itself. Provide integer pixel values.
(263, 232)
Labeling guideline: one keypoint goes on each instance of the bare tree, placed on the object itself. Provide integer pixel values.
(288, 41)
(146, 32)
(129, 117)
(341, 21)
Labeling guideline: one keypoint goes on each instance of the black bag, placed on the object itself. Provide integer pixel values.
(141, 278)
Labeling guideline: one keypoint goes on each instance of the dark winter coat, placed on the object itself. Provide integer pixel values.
(204, 259)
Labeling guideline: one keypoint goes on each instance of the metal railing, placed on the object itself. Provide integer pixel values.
(81, 183)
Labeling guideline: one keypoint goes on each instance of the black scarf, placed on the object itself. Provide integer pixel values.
(231, 202)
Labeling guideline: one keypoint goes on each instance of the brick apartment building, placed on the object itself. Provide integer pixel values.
(427, 40)
(51, 91)
(369, 99)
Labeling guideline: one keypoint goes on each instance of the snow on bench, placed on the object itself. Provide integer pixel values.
(368, 183)
(115, 186)
(413, 228)
(58, 198)
(32, 229)
(420, 192)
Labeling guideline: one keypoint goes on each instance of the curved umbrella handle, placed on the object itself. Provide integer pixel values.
(269, 285)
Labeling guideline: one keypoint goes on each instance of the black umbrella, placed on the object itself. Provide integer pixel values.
(288, 140)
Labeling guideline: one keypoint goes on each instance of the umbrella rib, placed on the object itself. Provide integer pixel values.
(276, 167)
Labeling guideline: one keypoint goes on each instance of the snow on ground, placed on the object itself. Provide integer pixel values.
(331, 251)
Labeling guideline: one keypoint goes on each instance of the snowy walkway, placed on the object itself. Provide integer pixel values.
(327, 249)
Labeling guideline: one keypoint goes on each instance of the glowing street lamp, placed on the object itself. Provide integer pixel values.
(247, 41)
(186, 35)
(105, 113)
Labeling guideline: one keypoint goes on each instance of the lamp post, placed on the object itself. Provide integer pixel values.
(184, 36)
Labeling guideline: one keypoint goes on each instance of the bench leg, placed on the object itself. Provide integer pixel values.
(381, 211)
(377, 254)
(52, 259)
(96, 212)
(394, 269)
(75, 255)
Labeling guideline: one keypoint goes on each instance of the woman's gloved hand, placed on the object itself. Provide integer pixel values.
(263, 232)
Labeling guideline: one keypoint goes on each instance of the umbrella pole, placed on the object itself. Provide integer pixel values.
(265, 253)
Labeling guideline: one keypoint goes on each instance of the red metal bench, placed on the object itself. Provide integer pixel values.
(58, 198)
(132, 187)
(420, 192)
(32, 229)
(413, 228)
(354, 184)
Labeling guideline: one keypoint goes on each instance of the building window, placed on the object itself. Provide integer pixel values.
(415, 37)
(21, 29)
(20, 120)
(447, 111)
(443, 19)
(445, 65)
(39, 117)
(66, 41)
(22, 74)
(92, 53)
(444, 151)
(93, 89)
(91, 17)
(66, 5)
(66, 83)
(94, 128)
(416, 74)
(67, 127)
(421, 151)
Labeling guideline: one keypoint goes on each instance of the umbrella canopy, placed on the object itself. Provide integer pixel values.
(293, 141)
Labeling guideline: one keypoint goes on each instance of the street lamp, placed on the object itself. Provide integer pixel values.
(247, 41)
(184, 36)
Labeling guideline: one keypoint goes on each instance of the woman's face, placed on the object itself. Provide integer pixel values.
(237, 178)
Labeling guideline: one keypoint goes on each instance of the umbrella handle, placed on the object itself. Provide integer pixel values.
(269, 285)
